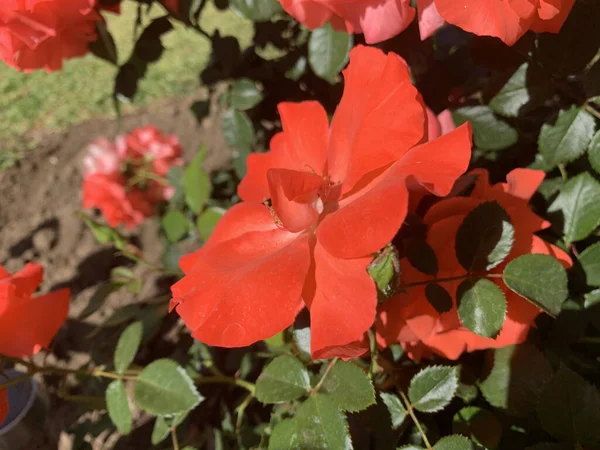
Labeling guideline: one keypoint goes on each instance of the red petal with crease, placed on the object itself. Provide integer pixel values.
(245, 289)
(44, 315)
(292, 196)
(342, 299)
(378, 119)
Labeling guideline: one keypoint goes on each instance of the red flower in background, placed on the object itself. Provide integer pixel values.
(37, 34)
(126, 180)
(508, 20)
(409, 318)
(337, 194)
(28, 324)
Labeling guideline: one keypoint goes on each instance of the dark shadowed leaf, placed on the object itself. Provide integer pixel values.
(349, 387)
(526, 89)
(480, 425)
(514, 378)
(104, 47)
(568, 138)
(395, 407)
(579, 202)
(541, 279)
(117, 405)
(127, 346)
(569, 408)
(321, 424)
(481, 306)
(438, 297)
(484, 238)
(433, 388)
(490, 133)
(421, 256)
(164, 388)
(284, 379)
(328, 51)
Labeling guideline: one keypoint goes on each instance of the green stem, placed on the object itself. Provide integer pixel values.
(174, 438)
(374, 366)
(411, 412)
(250, 387)
(322, 380)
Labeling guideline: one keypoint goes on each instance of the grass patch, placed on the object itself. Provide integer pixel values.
(83, 88)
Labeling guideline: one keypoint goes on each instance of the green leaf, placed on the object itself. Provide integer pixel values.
(284, 436)
(568, 138)
(328, 51)
(594, 152)
(162, 426)
(175, 178)
(117, 405)
(526, 89)
(284, 379)
(175, 225)
(411, 447)
(569, 408)
(196, 183)
(103, 233)
(349, 387)
(255, 10)
(207, 221)
(541, 279)
(302, 341)
(421, 256)
(127, 346)
(438, 297)
(481, 306)
(515, 377)
(321, 424)
(590, 262)
(238, 130)
(489, 132)
(484, 238)
(171, 256)
(478, 424)
(433, 388)
(579, 202)
(244, 94)
(164, 388)
(395, 407)
(454, 442)
(384, 270)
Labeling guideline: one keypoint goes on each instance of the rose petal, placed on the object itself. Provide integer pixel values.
(27, 280)
(429, 18)
(523, 183)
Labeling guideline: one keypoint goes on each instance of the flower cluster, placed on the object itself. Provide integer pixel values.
(383, 19)
(36, 34)
(127, 179)
(315, 209)
(43, 314)
(410, 319)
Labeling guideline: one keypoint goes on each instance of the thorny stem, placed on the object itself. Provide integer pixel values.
(322, 380)
(240, 413)
(411, 412)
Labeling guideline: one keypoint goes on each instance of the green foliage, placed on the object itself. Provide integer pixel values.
(348, 387)
(196, 183)
(481, 306)
(385, 271)
(207, 221)
(164, 388)
(117, 404)
(433, 388)
(320, 424)
(478, 424)
(541, 279)
(127, 347)
(590, 262)
(284, 436)
(594, 152)
(579, 204)
(175, 224)
(244, 94)
(489, 132)
(328, 51)
(569, 408)
(568, 138)
(256, 10)
(284, 379)
(485, 237)
(454, 442)
(395, 407)
(163, 424)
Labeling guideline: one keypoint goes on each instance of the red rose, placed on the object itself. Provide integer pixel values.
(504, 19)
(337, 194)
(28, 324)
(408, 318)
(126, 180)
(378, 20)
(3, 405)
(37, 34)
